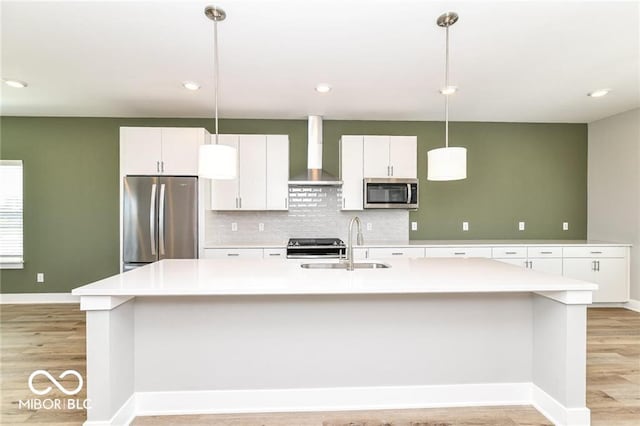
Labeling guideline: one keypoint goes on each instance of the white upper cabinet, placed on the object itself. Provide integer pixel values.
(390, 156)
(160, 150)
(263, 174)
(277, 172)
(351, 172)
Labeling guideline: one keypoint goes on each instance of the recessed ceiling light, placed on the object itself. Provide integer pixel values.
(449, 90)
(323, 88)
(598, 93)
(16, 83)
(190, 85)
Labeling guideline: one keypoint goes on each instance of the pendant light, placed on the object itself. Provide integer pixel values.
(216, 161)
(448, 163)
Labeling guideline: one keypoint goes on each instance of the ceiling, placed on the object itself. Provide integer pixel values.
(512, 61)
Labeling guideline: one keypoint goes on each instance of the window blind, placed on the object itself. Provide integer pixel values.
(11, 213)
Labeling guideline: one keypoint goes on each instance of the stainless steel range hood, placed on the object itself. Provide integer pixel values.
(314, 174)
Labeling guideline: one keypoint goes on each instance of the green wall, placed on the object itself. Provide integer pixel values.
(517, 171)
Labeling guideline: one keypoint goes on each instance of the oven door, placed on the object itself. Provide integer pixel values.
(390, 193)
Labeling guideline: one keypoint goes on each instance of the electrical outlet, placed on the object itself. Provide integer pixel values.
(520, 226)
(40, 277)
(565, 226)
(414, 226)
(465, 226)
(369, 226)
(234, 226)
(261, 227)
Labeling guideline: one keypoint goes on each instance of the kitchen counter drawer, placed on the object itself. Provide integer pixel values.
(458, 252)
(378, 253)
(544, 251)
(509, 252)
(594, 252)
(273, 253)
(231, 253)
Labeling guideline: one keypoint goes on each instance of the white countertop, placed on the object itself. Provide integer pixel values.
(436, 243)
(276, 277)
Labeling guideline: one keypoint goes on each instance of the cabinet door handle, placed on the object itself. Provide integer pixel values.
(388, 171)
(344, 202)
(158, 166)
(286, 202)
(233, 254)
(391, 170)
(240, 201)
(236, 202)
(593, 265)
(162, 166)
(597, 265)
(459, 253)
(531, 264)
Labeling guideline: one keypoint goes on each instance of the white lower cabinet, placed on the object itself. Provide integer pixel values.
(550, 266)
(275, 253)
(611, 275)
(543, 259)
(360, 253)
(232, 253)
(458, 252)
(385, 252)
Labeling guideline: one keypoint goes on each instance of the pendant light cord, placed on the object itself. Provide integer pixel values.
(446, 96)
(215, 72)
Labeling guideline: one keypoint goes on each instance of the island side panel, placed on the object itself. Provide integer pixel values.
(289, 342)
(110, 360)
(559, 354)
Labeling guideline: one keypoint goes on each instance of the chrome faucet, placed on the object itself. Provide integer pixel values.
(359, 241)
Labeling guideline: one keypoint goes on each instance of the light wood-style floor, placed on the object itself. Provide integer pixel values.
(52, 337)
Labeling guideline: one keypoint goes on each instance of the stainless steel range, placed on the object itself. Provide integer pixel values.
(315, 248)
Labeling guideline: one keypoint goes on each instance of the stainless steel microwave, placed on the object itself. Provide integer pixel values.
(390, 193)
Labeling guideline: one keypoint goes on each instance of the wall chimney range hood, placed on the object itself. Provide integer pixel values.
(314, 174)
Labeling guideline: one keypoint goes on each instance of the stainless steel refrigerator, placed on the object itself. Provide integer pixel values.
(160, 219)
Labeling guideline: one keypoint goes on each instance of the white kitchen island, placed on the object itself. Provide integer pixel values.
(212, 336)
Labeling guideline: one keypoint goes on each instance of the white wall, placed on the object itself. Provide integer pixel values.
(614, 185)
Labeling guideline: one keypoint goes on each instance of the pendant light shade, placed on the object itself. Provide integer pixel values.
(447, 164)
(217, 161)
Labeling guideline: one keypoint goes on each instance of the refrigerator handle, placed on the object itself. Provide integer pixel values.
(161, 221)
(152, 220)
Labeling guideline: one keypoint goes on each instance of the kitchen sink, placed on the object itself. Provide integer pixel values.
(343, 265)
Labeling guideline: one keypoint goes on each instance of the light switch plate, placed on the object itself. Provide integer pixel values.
(261, 227)
(234, 226)
(40, 277)
(520, 226)
(465, 226)
(369, 226)
(414, 226)
(565, 226)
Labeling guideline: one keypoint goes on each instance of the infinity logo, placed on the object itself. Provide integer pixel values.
(55, 382)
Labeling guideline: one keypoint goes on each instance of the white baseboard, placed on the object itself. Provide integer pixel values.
(28, 298)
(344, 399)
(124, 416)
(633, 305)
(556, 412)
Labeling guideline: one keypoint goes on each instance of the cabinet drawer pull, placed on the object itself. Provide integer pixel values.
(233, 254)
(397, 254)
(546, 252)
(274, 254)
(511, 252)
(459, 253)
(596, 252)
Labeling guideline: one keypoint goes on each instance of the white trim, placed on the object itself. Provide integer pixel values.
(556, 412)
(28, 298)
(608, 305)
(632, 305)
(124, 416)
(345, 399)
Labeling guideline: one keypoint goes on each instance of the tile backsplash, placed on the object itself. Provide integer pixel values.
(314, 211)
